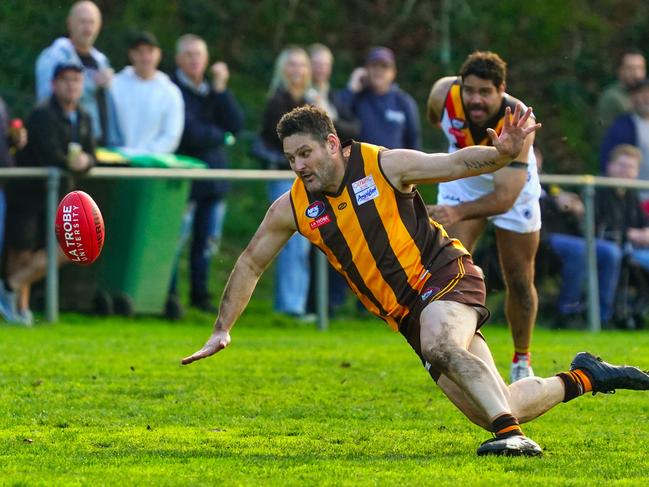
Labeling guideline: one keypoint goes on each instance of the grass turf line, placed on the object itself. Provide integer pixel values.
(105, 401)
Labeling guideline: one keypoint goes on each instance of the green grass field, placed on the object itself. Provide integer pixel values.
(105, 402)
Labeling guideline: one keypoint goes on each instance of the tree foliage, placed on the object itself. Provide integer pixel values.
(560, 52)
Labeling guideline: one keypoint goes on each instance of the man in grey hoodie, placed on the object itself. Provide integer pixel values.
(84, 23)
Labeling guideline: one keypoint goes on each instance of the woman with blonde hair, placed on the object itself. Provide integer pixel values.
(288, 90)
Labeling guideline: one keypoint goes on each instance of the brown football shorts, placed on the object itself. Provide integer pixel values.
(460, 281)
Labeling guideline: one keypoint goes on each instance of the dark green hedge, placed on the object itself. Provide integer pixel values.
(560, 52)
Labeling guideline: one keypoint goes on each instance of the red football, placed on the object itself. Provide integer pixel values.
(79, 228)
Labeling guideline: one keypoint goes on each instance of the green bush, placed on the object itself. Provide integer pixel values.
(560, 53)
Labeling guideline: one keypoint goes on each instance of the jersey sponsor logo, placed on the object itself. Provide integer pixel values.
(367, 195)
(342, 206)
(315, 209)
(365, 190)
(396, 116)
(428, 292)
(323, 220)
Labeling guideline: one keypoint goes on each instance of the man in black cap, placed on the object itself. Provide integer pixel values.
(150, 107)
(388, 115)
(60, 134)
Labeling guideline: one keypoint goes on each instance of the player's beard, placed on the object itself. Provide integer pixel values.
(320, 177)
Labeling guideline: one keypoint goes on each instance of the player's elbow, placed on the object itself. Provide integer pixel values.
(505, 201)
(432, 116)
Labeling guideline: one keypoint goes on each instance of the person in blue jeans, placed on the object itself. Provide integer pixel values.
(572, 252)
(620, 217)
(212, 117)
(562, 214)
(289, 89)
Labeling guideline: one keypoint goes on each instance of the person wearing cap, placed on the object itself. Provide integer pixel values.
(150, 107)
(388, 115)
(84, 24)
(633, 129)
(60, 134)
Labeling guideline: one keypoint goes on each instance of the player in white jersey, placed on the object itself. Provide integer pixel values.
(464, 107)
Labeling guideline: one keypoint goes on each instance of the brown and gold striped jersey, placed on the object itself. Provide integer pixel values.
(380, 239)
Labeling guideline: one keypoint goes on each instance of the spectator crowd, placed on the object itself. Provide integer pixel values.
(82, 103)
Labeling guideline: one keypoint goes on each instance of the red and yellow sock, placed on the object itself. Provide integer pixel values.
(576, 382)
(527, 356)
(505, 426)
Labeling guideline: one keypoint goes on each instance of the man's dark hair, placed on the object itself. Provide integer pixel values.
(307, 119)
(629, 51)
(485, 65)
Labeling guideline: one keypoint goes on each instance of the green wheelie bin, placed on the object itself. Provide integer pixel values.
(143, 220)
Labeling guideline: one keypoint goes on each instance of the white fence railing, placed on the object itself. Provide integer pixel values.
(587, 183)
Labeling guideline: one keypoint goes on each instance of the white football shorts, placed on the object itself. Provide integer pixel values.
(523, 217)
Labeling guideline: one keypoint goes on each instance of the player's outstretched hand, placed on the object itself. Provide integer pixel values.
(510, 141)
(217, 342)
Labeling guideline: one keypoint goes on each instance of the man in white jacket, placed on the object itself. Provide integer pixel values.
(150, 107)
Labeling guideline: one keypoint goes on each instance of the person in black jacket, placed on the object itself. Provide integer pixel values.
(322, 95)
(13, 136)
(562, 214)
(212, 118)
(289, 89)
(60, 134)
(347, 127)
(619, 215)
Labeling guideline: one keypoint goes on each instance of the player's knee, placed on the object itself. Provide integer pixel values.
(440, 355)
(519, 277)
(521, 285)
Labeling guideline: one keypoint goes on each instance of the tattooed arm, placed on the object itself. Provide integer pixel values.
(405, 168)
(508, 183)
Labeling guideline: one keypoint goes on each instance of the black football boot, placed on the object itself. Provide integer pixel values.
(606, 377)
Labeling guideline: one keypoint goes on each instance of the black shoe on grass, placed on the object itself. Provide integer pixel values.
(606, 377)
(514, 446)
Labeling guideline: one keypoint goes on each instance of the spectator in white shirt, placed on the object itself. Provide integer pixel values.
(150, 107)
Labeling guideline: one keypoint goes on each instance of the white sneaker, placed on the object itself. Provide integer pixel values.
(520, 369)
(25, 317)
